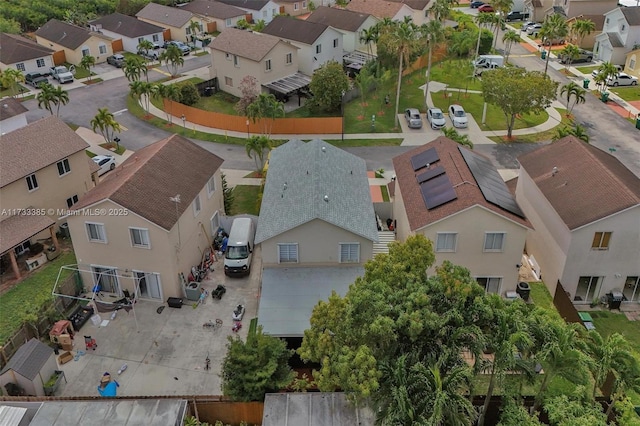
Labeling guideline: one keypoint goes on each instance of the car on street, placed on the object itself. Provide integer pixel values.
(516, 16)
(180, 45)
(475, 4)
(553, 41)
(149, 54)
(527, 25)
(622, 79)
(458, 116)
(436, 118)
(106, 163)
(486, 8)
(412, 115)
(583, 56)
(534, 29)
(116, 60)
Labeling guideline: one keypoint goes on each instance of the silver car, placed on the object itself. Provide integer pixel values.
(436, 118)
(412, 115)
(458, 116)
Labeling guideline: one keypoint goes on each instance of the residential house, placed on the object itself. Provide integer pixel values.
(632, 64)
(317, 228)
(395, 10)
(585, 207)
(13, 115)
(589, 40)
(456, 198)
(30, 367)
(351, 24)
(175, 21)
(620, 34)
(74, 41)
(238, 53)
(130, 30)
(317, 43)
(217, 15)
(260, 10)
(537, 9)
(301, 7)
(158, 210)
(23, 54)
(44, 170)
(572, 8)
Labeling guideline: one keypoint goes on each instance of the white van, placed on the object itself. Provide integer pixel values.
(237, 258)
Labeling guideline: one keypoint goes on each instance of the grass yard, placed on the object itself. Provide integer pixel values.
(117, 149)
(607, 322)
(14, 91)
(587, 69)
(365, 142)
(536, 137)
(30, 295)
(246, 199)
(219, 102)
(90, 154)
(630, 93)
(79, 71)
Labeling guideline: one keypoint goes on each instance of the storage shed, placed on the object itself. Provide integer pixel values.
(30, 368)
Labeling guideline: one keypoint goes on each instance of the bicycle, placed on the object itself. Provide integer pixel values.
(213, 325)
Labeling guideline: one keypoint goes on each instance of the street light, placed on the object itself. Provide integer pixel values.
(247, 129)
(184, 122)
(342, 112)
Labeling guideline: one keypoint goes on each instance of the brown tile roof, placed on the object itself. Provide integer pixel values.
(512, 184)
(15, 48)
(65, 34)
(295, 29)
(596, 19)
(631, 14)
(31, 148)
(377, 8)
(246, 44)
(589, 184)
(247, 4)
(15, 229)
(165, 15)
(214, 9)
(414, 4)
(10, 107)
(342, 19)
(467, 191)
(127, 26)
(146, 180)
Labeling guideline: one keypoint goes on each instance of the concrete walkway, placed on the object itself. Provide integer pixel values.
(95, 140)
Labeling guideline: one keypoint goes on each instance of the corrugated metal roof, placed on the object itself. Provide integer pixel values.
(314, 409)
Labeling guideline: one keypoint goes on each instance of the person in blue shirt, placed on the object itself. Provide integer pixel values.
(225, 242)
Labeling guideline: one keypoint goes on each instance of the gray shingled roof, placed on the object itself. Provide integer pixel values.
(29, 359)
(166, 15)
(214, 9)
(246, 44)
(295, 29)
(310, 171)
(247, 4)
(614, 39)
(342, 19)
(65, 34)
(127, 26)
(15, 48)
(10, 107)
(632, 15)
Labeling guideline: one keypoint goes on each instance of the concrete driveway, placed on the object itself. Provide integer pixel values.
(166, 352)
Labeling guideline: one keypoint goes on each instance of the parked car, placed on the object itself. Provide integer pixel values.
(106, 163)
(35, 79)
(595, 72)
(583, 56)
(180, 45)
(116, 60)
(516, 16)
(412, 115)
(436, 118)
(526, 25)
(622, 79)
(553, 41)
(476, 4)
(486, 8)
(458, 116)
(149, 54)
(534, 29)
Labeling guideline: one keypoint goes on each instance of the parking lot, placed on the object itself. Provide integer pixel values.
(165, 353)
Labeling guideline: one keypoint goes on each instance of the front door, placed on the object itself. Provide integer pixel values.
(106, 278)
(148, 285)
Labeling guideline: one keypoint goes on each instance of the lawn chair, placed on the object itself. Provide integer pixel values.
(90, 343)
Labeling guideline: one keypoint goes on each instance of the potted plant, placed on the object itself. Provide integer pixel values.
(52, 385)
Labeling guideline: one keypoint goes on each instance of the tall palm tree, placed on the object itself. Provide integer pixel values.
(482, 20)
(369, 36)
(10, 78)
(87, 62)
(582, 28)
(502, 7)
(509, 38)
(608, 355)
(141, 90)
(404, 37)
(554, 27)
(144, 47)
(569, 54)
(134, 67)
(172, 58)
(573, 90)
(257, 148)
(170, 92)
(434, 31)
(266, 108)
(60, 97)
(106, 123)
(46, 98)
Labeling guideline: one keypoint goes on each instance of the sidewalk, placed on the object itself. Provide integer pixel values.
(95, 140)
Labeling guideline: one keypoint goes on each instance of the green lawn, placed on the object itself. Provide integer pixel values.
(79, 72)
(246, 199)
(31, 295)
(11, 92)
(219, 102)
(587, 69)
(547, 135)
(631, 93)
(607, 322)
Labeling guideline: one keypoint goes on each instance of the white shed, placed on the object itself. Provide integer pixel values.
(30, 368)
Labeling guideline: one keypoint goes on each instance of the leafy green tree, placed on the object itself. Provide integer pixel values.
(252, 368)
(515, 414)
(250, 89)
(142, 90)
(9, 26)
(575, 409)
(517, 91)
(456, 136)
(227, 195)
(582, 28)
(87, 62)
(626, 380)
(106, 123)
(364, 80)
(257, 148)
(265, 109)
(327, 84)
(570, 53)
(608, 355)
(134, 67)
(173, 59)
(259, 26)
(510, 38)
(189, 93)
(243, 24)
(9, 78)
(461, 43)
(554, 27)
(170, 92)
(573, 90)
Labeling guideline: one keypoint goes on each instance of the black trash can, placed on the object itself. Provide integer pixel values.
(523, 290)
(614, 299)
(64, 230)
(208, 91)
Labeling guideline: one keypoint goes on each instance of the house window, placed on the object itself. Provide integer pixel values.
(71, 201)
(227, 23)
(624, 27)
(196, 205)
(228, 81)
(493, 241)
(586, 290)
(335, 42)
(288, 253)
(140, 40)
(318, 48)
(40, 63)
(264, 13)
(155, 37)
(215, 224)
(631, 289)
(236, 61)
(227, 56)
(304, 4)
(63, 167)
(446, 242)
(20, 67)
(95, 232)
(86, 52)
(102, 49)
(288, 58)
(295, 6)
(188, 31)
(606, 21)
(274, 12)
(211, 186)
(349, 252)
(601, 241)
(139, 237)
(32, 183)
(267, 64)
(490, 284)
(632, 64)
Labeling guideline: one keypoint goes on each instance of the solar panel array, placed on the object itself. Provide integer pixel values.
(421, 160)
(430, 174)
(437, 191)
(493, 188)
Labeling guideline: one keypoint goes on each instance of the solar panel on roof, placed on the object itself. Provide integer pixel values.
(437, 191)
(430, 174)
(421, 160)
(490, 182)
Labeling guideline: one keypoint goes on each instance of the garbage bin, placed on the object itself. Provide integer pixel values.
(208, 91)
(585, 83)
(64, 230)
(638, 122)
(614, 299)
(523, 290)
(543, 54)
(604, 97)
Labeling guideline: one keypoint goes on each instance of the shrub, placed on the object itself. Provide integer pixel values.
(189, 93)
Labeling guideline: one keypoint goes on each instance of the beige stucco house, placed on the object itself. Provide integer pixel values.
(632, 63)
(175, 21)
(44, 170)
(237, 53)
(589, 40)
(130, 30)
(585, 208)
(256, 10)
(537, 9)
(23, 54)
(457, 199)
(583, 7)
(317, 228)
(148, 221)
(76, 42)
(351, 24)
(396, 10)
(217, 15)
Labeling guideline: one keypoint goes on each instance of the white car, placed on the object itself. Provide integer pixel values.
(622, 79)
(436, 118)
(458, 116)
(106, 163)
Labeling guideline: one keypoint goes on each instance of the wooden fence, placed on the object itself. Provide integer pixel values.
(228, 412)
(565, 307)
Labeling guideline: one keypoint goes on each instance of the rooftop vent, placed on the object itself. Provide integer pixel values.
(326, 198)
(554, 171)
(324, 149)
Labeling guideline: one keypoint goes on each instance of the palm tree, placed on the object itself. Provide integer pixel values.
(9, 79)
(569, 54)
(605, 71)
(134, 67)
(46, 98)
(502, 7)
(608, 355)
(369, 36)
(434, 31)
(87, 62)
(573, 90)
(106, 123)
(404, 37)
(364, 79)
(482, 20)
(141, 90)
(170, 92)
(60, 97)
(143, 49)
(626, 379)
(266, 108)
(259, 26)
(440, 10)
(509, 38)
(194, 29)
(582, 28)
(172, 58)
(553, 27)
(256, 148)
